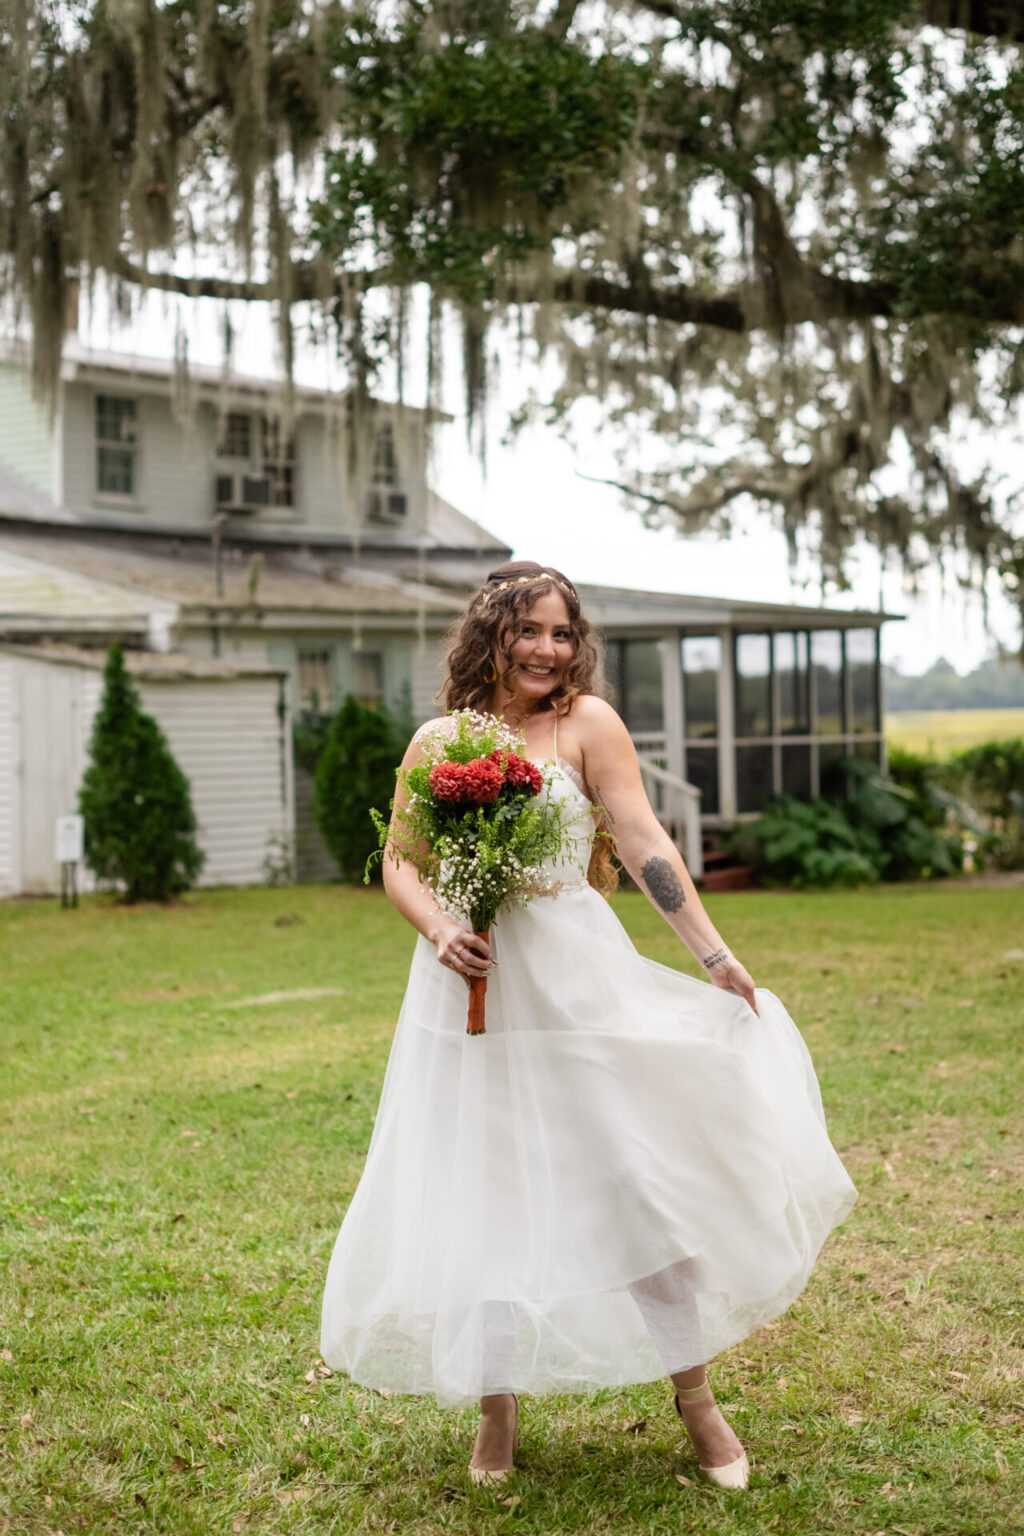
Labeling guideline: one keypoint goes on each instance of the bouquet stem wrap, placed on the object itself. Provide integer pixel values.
(477, 996)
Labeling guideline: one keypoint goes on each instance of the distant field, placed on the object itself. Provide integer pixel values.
(941, 731)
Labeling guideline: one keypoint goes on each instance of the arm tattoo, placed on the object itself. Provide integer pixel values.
(664, 884)
(715, 958)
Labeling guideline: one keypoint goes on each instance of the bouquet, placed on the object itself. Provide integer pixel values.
(476, 826)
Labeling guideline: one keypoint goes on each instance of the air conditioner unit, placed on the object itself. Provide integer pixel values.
(243, 493)
(386, 506)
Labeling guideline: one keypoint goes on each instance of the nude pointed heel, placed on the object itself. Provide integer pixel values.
(735, 1475)
(480, 1477)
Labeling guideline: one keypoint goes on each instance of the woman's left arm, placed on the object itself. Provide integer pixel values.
(653, 861)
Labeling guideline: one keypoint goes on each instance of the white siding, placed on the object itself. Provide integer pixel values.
(26, 436)
(54, 708)
(226, 737)
(10, 809)
(319, 481)
(427, 677)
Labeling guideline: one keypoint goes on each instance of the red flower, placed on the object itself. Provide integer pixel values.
(519, 772)
(475, 783)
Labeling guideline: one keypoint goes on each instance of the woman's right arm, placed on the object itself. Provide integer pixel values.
(457, 949)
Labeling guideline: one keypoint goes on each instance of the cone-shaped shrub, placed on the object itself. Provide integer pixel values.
(140, 829)
(356, 771)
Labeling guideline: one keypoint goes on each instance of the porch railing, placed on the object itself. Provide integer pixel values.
(676, 805)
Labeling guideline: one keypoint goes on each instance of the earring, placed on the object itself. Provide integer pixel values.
(491, 675)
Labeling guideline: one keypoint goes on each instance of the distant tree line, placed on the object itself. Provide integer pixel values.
(997, 683)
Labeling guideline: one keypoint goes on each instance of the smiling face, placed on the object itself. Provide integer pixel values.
(541, 651)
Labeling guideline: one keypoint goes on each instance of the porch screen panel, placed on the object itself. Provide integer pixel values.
(753, 685)
(862, 661)
(831, 773)
(791, 664)
(633, 668)
(702, 773)
(827, 664)
(753, 777)
(702, 659)
(796, 770)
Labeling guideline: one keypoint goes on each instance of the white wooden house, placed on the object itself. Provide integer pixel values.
(192, 528)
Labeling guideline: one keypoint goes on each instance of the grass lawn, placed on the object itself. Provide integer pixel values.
(938, 732)
(188, 1095)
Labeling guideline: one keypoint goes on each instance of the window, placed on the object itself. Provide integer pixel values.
(827, 666)
(702, 658)
(116, 445)
(368, 677)
(753, 685)
(315, 680)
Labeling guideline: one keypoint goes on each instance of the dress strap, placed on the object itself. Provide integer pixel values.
(556, 735)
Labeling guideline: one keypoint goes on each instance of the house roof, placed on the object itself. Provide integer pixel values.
(34, 591)
(152, 666)
(55, 576)
(65, 568)
(20, 499)
(619, 607)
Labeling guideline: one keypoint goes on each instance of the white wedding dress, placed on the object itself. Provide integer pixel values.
(626, 1174)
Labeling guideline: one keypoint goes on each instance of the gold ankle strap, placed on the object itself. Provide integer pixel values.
(694, 1394)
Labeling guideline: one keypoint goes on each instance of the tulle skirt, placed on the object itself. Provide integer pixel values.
(626, 1174)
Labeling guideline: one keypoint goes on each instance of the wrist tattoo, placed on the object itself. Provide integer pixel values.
(664, 884)
(716, 957)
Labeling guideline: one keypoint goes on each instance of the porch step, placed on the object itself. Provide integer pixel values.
(733, 877)
(722, 871)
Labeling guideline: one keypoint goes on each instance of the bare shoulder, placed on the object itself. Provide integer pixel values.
(603, 744)
(424, 736)
(596, 720)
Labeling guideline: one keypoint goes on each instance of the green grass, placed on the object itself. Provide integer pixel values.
(938, 732)
(178, 1151)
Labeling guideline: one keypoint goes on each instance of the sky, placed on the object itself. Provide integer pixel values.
(534, 496)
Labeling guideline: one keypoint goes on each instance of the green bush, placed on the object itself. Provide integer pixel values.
(355, 773)
(991, 778)
(140, 829)
(886, 831)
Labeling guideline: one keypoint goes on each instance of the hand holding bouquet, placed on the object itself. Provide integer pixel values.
(475, 824)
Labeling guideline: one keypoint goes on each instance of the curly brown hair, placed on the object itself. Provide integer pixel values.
(488, 629)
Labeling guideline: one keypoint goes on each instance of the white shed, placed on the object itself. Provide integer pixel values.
(228, 727)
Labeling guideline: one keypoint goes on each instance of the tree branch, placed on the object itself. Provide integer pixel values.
(562, 19)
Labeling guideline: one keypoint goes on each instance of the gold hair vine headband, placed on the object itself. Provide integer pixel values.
(517, 581)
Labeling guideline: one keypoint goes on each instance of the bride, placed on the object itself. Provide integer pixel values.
(629, 1171)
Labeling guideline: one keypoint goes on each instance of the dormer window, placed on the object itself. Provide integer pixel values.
(386, 503)
(116, 446)
(236, 438)
(385, 460)
(263, 457)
